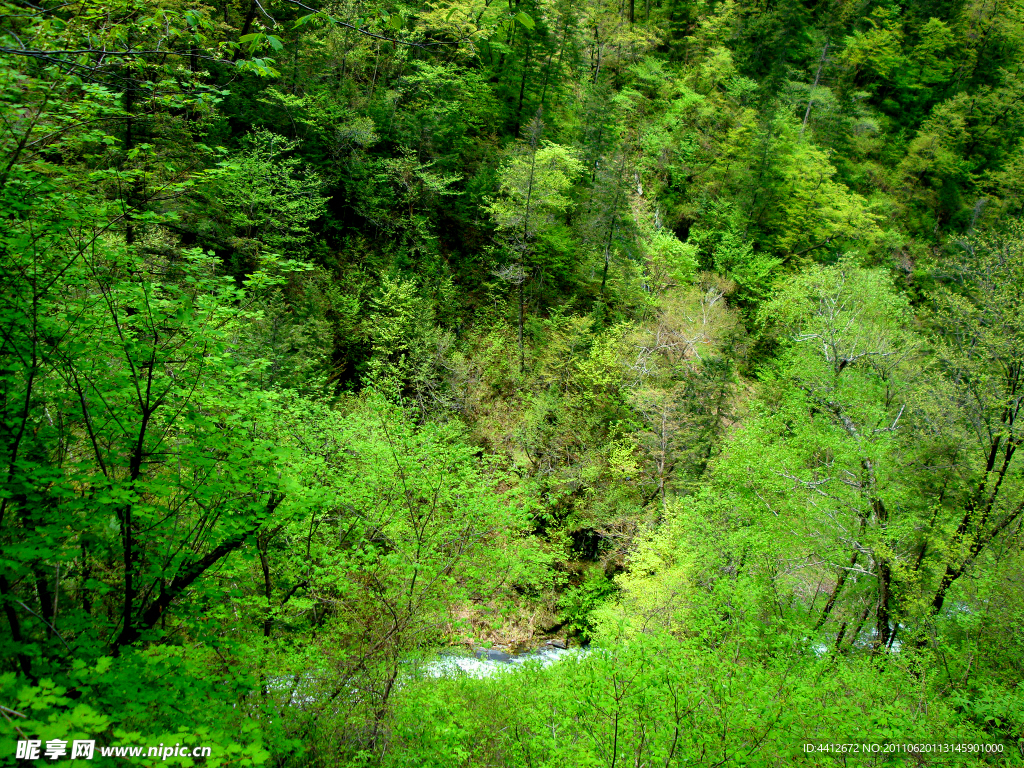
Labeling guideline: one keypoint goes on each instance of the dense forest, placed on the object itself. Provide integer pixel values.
(686, 332)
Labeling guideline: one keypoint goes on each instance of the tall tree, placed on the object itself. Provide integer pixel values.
(534, 184)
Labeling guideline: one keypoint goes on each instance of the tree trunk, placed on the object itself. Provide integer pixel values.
(810, 96)
(522, 89)
(522, 355)
(268, 588)
(840, 582)
(250, 16)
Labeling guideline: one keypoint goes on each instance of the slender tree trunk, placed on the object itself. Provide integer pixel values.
(547, 75)
(129, 145)
(250, 16)
(188, 574)
(840, 582)
(607, 258)
(856, 630)
(12, 619)
(882, 614)
(379, 713)
(130, 551)
(46, 601)
(810, 96)
(534, 141)
(522, 354)
(522, 88)
(976, 516)
(558, 64)
(86, 573)
(611, 222)
(268, 589)
(597, 152)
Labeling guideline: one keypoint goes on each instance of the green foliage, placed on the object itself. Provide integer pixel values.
(534, 184)
(268, 201)
(671, 260)
(579, 602)
(140, 700)
(662, 700)
(329, 338)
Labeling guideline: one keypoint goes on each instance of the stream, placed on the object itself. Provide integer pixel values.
(487, 662)
(305, 688)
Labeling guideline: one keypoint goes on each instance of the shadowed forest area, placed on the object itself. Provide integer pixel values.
(689, 332)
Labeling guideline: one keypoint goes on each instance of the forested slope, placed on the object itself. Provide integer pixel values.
(332, 336)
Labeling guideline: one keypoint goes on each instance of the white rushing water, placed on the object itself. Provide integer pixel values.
(305, 689)
(487, 663)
